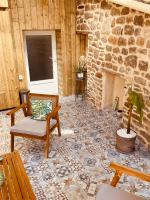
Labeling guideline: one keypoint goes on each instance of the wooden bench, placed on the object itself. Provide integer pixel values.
(16, 185)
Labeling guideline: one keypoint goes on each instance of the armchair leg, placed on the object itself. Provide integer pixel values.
(116, 178)
(12, 142)
(47, 147)
(59, 131)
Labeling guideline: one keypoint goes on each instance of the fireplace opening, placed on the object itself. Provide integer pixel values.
(113, 88)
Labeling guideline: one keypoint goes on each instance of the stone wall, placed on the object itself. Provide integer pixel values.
(118, 41)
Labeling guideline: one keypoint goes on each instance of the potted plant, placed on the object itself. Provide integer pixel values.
(81, 68)
(125, 139)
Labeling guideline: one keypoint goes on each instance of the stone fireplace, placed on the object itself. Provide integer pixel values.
(113, 86)
(118, 55)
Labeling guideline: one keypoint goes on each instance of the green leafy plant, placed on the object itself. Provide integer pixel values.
(134, 99)
(81, 64)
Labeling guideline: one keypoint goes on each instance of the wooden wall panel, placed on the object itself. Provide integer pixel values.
(8, 75)
(59, 62)
(58, 15)
(46, 15)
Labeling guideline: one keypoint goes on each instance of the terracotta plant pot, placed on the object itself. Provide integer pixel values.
(125, 143)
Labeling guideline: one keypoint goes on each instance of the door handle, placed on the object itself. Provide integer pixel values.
(50, 58)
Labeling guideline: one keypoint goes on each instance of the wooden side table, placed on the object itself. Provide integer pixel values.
(81, 86)
(16, 185)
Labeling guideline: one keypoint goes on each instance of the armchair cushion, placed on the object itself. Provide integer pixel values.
(31, 127)
(111, 193)
(40, 108)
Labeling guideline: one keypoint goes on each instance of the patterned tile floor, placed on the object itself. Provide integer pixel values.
(79, 157)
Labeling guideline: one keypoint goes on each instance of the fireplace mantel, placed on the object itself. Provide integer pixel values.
(105, 70)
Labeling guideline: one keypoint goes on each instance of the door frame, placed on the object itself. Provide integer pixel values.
(54, 58)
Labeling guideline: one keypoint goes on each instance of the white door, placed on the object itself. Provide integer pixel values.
(41, 62)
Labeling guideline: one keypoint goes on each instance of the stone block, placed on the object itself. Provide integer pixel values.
(132, 50)
(129, 19)
(122, 41)
(113, 22)
(148, 44)
(147, 16)
(114, 57)
(81, 20)
(147, 76)
(139, 20)
(145, 135)
(124, 51)
(108, 48)
(139, 80)
(88, 15)
(96, 54)
(125, 11)
(120, 59)
(140, 41)
(78, 28)
(116, 50)
(136, 73)
(87, 7)
(142, 51)
(137, 31)
(120, 20)
(135, 116)
(93, 25)
(128, 30)
(131, 61)
(117, 30)
(147, 23)
(115, 68)
(143, 65)
(106, 27)
(115, 11)
(122, 70)
(108, 57)
(108, 65)
(148, 116)
(112, 40)
(147, 102)
(105, 5)
(97, 34)
(98, 62)
(131, 41)
(98, 74)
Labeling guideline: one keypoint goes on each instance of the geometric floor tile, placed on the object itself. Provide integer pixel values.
(79, 157)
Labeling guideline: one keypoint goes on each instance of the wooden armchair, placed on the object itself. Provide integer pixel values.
(107, 192)
(30, 128)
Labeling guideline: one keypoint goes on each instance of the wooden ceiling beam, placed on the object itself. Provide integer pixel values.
(134, 4)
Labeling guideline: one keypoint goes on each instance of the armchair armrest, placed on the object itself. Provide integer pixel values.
(127, 170)
(13, 111)
(53, 113)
